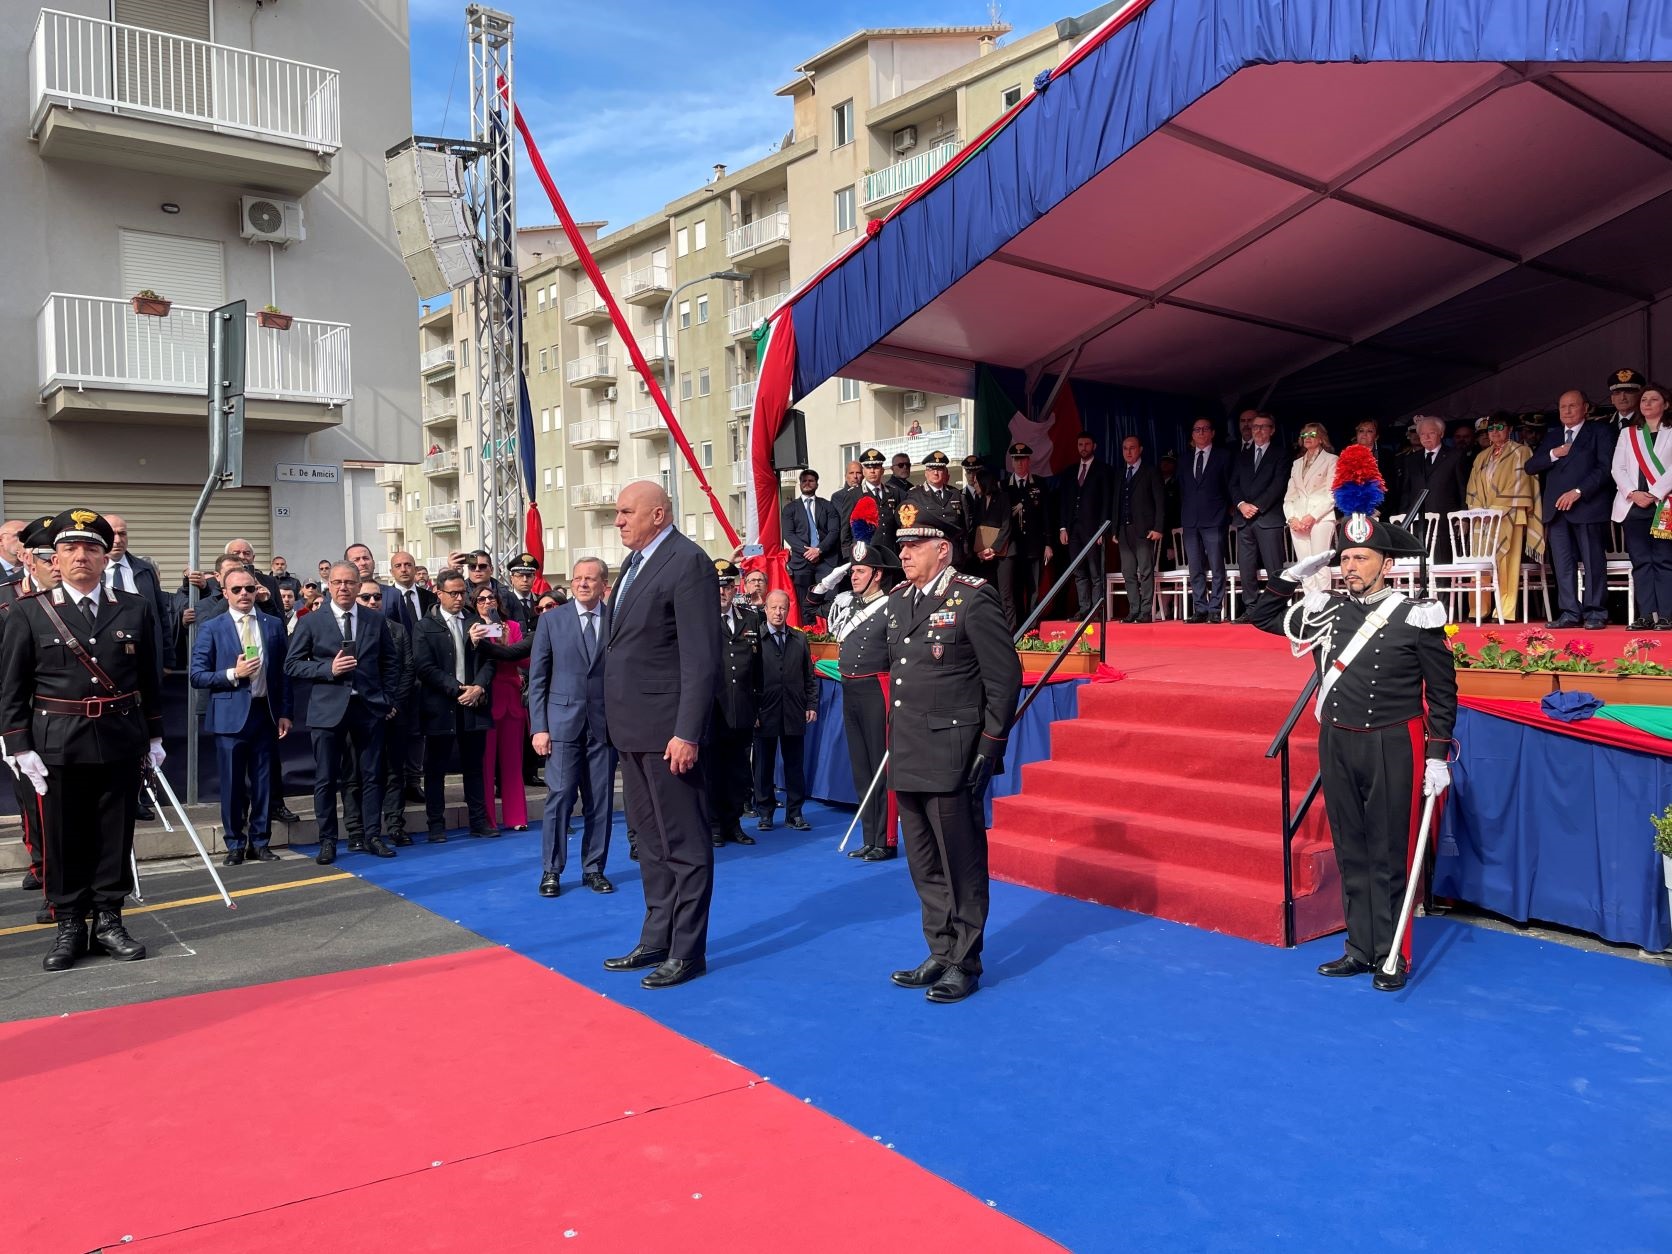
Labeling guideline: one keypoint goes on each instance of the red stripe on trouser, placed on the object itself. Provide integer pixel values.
(1419, 755)
(892, 817)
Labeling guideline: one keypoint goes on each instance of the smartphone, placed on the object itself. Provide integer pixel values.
(251, 651)
(495, 630)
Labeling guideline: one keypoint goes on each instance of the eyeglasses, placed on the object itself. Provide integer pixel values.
(481, 566)
(487, 600)
(233, 589)
(1496, 426)
(370, 598)
(1310, 435)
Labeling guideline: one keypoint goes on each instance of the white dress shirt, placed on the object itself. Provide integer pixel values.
(258, 681)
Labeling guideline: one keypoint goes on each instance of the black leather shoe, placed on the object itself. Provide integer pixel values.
(437, 838)
(1596, 624)
(879, 855)
(765, 825)
(401, 841)
(955, 985)
(798, 824)
(1346, 964)
(597, 883)
(327, 853)
(1390, 983)
(641, 956)
(1142, 618)
(1130, 618)
(31, 882)
(1566, 621)
(1643, 624)
(414, 795)
(260, 853)
(234, 857)
(483, 835)
(922, 975)
(146, 813)
(549, 886)
(356, 845)
(741, 837)
(674, 971)
(860, 852)
(716, 840)
(633, 853)
(748, 813)
(284, 814)
(68, 944)
(378, 849)
(110, 936)
(45, 915)
(1241, 619)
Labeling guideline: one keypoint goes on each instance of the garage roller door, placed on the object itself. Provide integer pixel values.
(159, 516)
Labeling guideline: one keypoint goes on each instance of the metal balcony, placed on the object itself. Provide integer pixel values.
(612, 555)
(437, 359)
(144, 99)
(741, 320)
(585, 308)
(445, 462)
(740, 475)
(100, 361)
(390, 475)
(392, 521)
(442, 413)
(443, 517)
(658, 354)
(648, 285)
(743, 397)
(954, 442)
(761, 243)
(646, 424)
(881, 188)
(595, 370)
(594, 433)
(594, 496)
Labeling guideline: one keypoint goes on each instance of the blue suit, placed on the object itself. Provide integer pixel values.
(1576, 535)
(1204, 513)
(245, 727)
(566, 701)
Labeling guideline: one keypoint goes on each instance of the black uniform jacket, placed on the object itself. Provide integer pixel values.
(953, 681)
(737, 700)
(35, 662)
(861, 628)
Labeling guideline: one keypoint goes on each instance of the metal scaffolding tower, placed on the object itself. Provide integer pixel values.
(490, 193)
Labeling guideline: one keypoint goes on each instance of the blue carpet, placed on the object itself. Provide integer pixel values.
(1122, 1082)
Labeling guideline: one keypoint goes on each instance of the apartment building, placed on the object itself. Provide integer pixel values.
(204, 151)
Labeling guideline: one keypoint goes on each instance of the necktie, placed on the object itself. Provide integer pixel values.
(348, 626)
(1201, 461)
(812, 521)
(1083, 467)
(1567, 436)
(589, 636)
(411, 600)
(456, 623)
(1259, 452)
(778, 639)
(90, 607)
(244, 632)
(1431, 456)
(1130, 471)
(246, 636)
(627, 579)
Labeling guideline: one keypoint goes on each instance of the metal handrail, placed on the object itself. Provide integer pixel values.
(1044, 601)
(1292, 818)
(1045, 678)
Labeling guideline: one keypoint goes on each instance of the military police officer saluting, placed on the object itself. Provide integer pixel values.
(79, 711)
(953, 685)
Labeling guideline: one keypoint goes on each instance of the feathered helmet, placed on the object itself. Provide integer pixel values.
(1359, 492)
(863, 523)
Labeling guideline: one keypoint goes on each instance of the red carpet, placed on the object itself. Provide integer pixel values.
(476, 1101)
(1158, 797)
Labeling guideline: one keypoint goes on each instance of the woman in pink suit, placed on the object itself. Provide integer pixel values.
(502, 758)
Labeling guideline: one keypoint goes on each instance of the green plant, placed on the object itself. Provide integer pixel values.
(1032, 643)
(1634, 658)
(146, 293)
(271, 309)
(1663, 832)
(820, 637)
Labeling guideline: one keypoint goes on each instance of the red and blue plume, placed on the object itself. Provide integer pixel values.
(1358, 486)
(863, 520)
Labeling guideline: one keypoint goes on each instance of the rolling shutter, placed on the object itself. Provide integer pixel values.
(178, 17)
(187, 271)
(158, 517)
(155, 72)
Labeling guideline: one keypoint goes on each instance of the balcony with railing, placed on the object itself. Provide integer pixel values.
(740, 475)
(395, 520)
(594, 433)
(441, 413)
(389, 475)
(648, 285)
(437, 360)
(742, 320)
(761, 243)
(595, 370)
(144, 99)
(880, 189)
(100, 361)
(585, 308)
(953, 441)
(646, 424)
(612, 555)
(443, 517)
(445, 462)
(743, 397)
(594, 495)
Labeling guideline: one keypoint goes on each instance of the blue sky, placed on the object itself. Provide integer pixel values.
(633, 101)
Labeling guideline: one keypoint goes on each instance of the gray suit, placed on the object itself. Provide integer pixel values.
(566, 701)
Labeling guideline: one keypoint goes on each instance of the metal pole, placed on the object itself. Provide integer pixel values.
(1391, 966)
(673, 395)
(217, 464)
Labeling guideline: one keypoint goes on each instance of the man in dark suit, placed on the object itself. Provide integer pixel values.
(566, 717)
(1576, 464)
(1031, 514)
(736, 711)
(662, 668)
(812, 531)
(1085, 495)
(871, 465)
(842, 499)
(129, 572)
(517, 602)
(899, 478)
(1258, 481)
(789, 702)
(400, 684)
(344, 651)
(406, 603)
(1442, 472)
(238, 658)
(453, 708)
(1204, 513)
(1140, 513)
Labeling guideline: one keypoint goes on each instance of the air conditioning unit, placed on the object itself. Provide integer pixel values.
(609, 394)
(611, 455)
(644, 388)
(905, 139)
(269, 221)
(913, 401)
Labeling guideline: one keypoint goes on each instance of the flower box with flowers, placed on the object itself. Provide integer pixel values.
(1037, 654)
(1541, 665)
(822, 645)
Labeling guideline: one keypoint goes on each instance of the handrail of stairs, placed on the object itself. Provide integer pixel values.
(1292, 820)
(1044, 601)
(1038, 684)
(1099, 609)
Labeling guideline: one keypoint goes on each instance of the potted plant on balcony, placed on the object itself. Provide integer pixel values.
(269, 316)
(151, 305)
(1036, 654)
(821, 644)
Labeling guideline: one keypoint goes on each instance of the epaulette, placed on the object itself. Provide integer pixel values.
(973, 581)
(902, 589)
(1429, 615)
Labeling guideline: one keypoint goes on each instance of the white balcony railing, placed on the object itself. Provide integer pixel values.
(739, 474)
(646, 423)
(442, 411)
(595, 433)
(584, 304)
(647, 280)
(902, 176)
(437, 358)
(954, 442)
(612, 555)
(443, 515)
(743, 397)
(98, 342)
(771, 229)
(743, 319)
(389, 474)
(87, 62)
(391, 522)
(657, 350)
(445, 462)
(594, 495)
(592, 366)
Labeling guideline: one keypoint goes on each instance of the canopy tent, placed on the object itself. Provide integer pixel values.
(1312, 203)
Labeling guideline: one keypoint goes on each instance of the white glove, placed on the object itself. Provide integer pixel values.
(1436, 778)
(29, 762)
(831, 581)
(1307, 566)
(155, 755)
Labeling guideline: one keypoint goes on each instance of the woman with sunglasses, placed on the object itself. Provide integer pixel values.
(1308, 504)
(1499, 480)
(502, 758)
(1643, 479)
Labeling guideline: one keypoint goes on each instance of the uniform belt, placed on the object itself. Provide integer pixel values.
(92, 707)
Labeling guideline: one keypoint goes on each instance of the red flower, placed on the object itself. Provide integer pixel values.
(1578, 648)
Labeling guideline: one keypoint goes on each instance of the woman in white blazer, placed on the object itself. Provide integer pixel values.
(1642, 482)
(1308, 505)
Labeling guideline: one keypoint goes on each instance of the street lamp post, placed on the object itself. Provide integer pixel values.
(729, 276)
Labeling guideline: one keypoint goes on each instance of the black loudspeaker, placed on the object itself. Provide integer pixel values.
(789, 450)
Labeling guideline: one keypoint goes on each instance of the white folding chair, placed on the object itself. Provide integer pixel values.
(1407, 571)
(1532, 573)
(1619, 568)
(1174, 582)
(1474, 559)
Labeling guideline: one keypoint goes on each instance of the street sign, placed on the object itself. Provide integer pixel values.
(302, 472)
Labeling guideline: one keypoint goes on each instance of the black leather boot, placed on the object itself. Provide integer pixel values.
(327, 852)
(110, 936)
(68, 944)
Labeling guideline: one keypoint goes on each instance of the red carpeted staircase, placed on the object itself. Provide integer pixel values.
(1158, 798)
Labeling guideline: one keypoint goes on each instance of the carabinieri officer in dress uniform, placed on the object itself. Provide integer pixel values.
(1386, 707)
(953, 684)
(80, 712)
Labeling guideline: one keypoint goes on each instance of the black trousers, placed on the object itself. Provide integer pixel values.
(361, 728)
(400, 739)
(88, 835)
(1369, 779)
(438, 751)
(669, 815)
(1137, 569)
(767, 749)
(725, 759)
(1089, 582)
(865, 722)
(1018, 586)
(1651, 565)
(946, 848)
(30, 807)
(1573, 545)
(803, 581)
(1257, 547)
